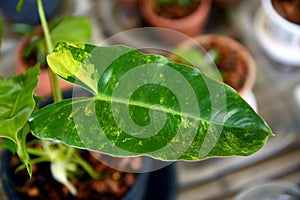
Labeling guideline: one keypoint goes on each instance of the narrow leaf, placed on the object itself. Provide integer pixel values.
(22, 149)
(146, 105)
(8, 144)
(19, 5)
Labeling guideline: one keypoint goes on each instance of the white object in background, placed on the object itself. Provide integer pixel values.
(251, 100)
(297, 94)
(280, 40)
(285, 30)
(270, 190)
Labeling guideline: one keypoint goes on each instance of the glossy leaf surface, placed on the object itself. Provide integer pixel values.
(146, 105)
(16, 102)
(16, 105)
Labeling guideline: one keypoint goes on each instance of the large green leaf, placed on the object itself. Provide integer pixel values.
(146, 105)
(16, 102)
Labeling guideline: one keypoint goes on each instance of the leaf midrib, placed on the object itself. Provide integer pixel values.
(12, 114)
(106, 98)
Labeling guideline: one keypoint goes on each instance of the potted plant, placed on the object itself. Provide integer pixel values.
(32, 47)
(234, 63)
(186, 16)
(278, 30)
(141, 104)
(115, 181)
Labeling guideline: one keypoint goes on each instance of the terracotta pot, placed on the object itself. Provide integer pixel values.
(232, 53)
(190, 25)
(43, 89)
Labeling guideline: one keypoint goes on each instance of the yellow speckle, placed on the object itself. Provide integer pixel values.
(116, 176)
(162, 100)
(87, 111)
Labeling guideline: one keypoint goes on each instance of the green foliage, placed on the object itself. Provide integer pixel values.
(16, 106)
(19, 5)
(205, 62)
(72, 29)
(74, 122)
(17, 102)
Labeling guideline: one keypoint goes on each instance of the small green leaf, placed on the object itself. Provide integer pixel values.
(22, 149)
(16, 103)
(8, 144)
(146, 105)
(205, 62)
(19, 5)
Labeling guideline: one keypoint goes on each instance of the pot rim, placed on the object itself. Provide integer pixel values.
(277, 18)
(200, 8)
(190, 25)
(251, 65)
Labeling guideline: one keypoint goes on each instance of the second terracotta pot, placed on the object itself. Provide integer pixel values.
(236, 64)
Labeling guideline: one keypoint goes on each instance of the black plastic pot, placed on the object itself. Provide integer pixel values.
(29, 12)
(158, 185)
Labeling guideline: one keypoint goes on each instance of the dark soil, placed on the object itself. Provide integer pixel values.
(174, 11)
(289, 9)
(43, 187)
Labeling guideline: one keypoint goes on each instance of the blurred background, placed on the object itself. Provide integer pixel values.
(275, 94)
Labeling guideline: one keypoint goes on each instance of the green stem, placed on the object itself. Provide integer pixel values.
(87, 167)
(33, 161)
(56, 91)
(36, 152)
(57, 96)
(70, 152)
